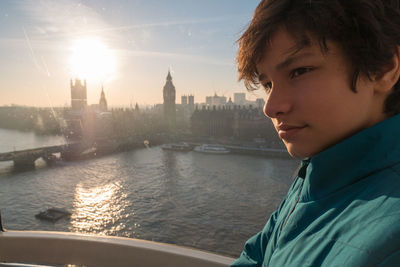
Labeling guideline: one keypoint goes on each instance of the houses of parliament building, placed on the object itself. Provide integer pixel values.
(237, 121)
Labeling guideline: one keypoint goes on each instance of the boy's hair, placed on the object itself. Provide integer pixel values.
(368, 31)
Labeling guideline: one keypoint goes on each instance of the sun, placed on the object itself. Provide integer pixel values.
(91, 60)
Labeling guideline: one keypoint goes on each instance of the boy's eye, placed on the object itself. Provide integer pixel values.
(299, 71)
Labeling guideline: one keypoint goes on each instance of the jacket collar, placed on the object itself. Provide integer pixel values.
(349, 161)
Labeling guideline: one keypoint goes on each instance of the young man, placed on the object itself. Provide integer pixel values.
(330, 69)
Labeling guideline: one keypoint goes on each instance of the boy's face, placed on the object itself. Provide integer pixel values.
(309, 96)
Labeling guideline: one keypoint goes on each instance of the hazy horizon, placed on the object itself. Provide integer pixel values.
(125, 46)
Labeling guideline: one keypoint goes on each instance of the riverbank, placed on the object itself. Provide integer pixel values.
(256, 147)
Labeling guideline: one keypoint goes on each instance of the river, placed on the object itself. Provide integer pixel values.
(209, 202)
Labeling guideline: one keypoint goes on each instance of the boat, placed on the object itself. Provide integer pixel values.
(53, 214)
(177, 147)
(213, 149)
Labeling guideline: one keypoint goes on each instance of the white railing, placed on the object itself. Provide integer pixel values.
(59, 248)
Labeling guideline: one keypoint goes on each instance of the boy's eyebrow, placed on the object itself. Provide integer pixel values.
(292, 58)
(287, 62)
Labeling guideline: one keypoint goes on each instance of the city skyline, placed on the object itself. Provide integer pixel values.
(127, 49)
(237, 98)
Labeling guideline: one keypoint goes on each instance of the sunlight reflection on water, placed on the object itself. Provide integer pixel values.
(99, 209)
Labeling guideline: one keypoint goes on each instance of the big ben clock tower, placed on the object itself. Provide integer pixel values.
(169, 102)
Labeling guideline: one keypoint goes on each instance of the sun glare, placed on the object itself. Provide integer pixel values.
(92, 60)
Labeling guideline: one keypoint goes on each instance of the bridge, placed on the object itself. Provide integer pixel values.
(26, 158)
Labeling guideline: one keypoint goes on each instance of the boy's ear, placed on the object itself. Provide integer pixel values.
(389, 75)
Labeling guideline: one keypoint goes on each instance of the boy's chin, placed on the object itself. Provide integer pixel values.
(299, 152)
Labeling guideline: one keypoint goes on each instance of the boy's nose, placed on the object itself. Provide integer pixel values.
(277, 104)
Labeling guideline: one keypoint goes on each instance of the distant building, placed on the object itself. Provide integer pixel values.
(74, 117)
(242, 123)
(213, 122)
(186, 109)
(208, 100)
(78, 95)
(103, 101)
(215, 100)
(169, 102)
(191, 104)
(239, 98)
(191, 100)
(89, 123)
(184, 100)
(229, 103)
(260, 102)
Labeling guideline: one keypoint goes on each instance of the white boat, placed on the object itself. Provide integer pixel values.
(213, 149)
(59, 248)
(177, 147)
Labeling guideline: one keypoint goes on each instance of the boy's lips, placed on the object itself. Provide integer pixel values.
(287, 131)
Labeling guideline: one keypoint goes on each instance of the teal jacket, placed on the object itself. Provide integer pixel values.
(343, 209)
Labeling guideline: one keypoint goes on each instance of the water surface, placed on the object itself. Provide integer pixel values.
(210, 202)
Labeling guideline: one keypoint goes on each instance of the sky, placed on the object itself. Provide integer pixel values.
(126, 46)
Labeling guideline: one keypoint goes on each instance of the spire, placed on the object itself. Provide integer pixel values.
(103, 101)
(169, 77)
(102, 92)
